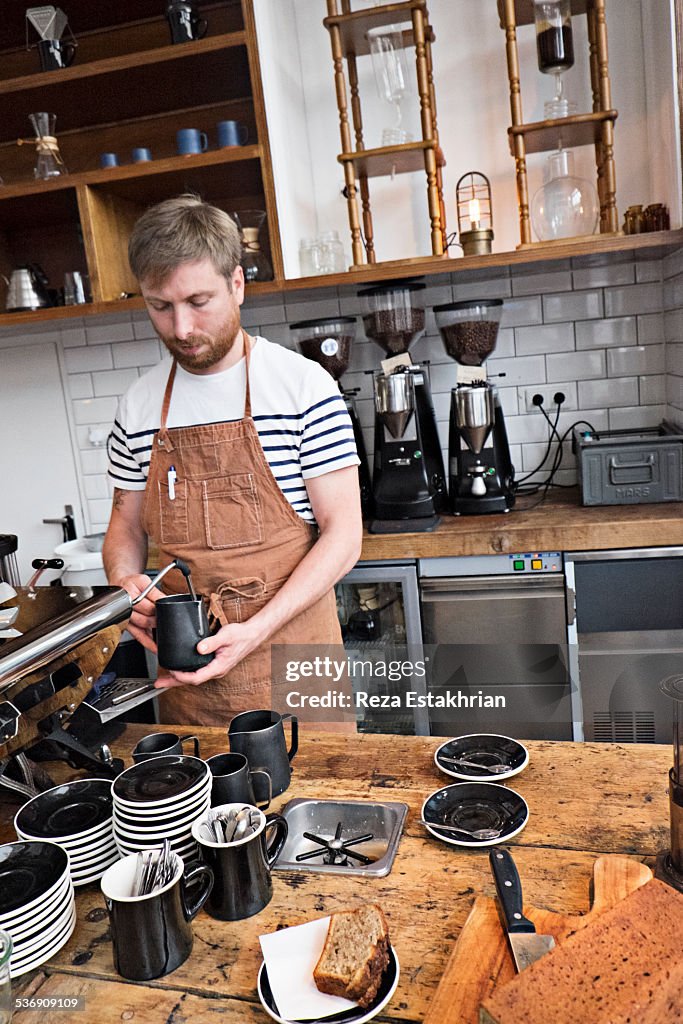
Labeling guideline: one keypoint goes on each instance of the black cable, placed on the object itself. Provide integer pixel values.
(547, 484)
(553, 431)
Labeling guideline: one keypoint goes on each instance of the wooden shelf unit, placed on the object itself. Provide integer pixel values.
(596, 128)
(128, 87)
(348, 36)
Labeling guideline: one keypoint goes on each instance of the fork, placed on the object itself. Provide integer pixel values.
(479, 833)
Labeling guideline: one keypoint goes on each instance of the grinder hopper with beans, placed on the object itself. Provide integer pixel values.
(481, 474)
(408, 478)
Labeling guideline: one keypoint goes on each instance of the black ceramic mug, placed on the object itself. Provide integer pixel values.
(260, 736)
(231, 780)
(184, 22)
(242, 883)
(56, 53)
(181, 623)
(158, 744)
(152, 934)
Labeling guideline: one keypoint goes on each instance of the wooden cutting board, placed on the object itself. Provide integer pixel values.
(481, 958)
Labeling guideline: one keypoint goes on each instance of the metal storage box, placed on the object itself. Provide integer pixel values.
(630, 467)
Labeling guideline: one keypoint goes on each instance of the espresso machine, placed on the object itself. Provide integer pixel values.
(481, 474)
(408, 480)
(328, 341)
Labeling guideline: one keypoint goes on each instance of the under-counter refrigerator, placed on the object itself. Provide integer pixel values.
(378, 604)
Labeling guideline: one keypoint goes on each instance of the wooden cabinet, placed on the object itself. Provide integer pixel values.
(128, 86)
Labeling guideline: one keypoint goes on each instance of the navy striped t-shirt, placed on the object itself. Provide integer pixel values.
(300, 415)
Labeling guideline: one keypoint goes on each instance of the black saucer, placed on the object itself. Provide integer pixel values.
(27, 870)
(67, 810)
(485, 751)
(160, 778)
(475, 805)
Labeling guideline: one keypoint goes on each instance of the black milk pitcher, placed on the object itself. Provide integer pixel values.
(241, 869)
(260, 736)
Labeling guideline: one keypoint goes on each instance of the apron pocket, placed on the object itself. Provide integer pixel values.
(232, 512)
(173, 520)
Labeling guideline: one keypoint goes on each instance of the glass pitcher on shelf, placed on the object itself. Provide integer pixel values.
(49, 163)
(255, 263)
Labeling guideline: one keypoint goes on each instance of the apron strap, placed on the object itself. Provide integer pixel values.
(165, 405)
(246, 340)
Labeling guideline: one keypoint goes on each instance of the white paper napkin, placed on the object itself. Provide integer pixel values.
(290, 956)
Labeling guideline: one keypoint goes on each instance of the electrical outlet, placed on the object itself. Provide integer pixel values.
(548, 391)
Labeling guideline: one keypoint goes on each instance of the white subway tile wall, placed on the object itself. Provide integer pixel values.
(605, 330)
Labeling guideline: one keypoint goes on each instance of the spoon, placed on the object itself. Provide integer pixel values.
(494, 769)
(479, 833)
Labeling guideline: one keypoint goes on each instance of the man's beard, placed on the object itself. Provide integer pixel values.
(214, 347)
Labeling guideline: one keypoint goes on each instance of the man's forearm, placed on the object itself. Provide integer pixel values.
(124, 551)
(329, 559)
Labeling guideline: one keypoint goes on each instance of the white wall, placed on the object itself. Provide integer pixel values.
(473, 116)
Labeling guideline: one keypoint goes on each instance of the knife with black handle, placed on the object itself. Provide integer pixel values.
(526, 944)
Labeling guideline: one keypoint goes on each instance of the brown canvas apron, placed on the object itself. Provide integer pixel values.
(242, 540)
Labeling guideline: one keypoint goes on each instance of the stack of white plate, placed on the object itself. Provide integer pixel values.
(37, 904)
(159, 799)
(78, 816)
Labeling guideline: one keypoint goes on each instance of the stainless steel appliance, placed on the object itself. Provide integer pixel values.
(480, 470)
(498, 628)
(27, 289)
(625, 636)
(341, 837)
(378, 604)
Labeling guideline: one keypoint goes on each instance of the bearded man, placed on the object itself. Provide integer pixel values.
(235, 455)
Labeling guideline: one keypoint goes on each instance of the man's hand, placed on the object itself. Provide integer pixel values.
(143, 618)
(231, 643)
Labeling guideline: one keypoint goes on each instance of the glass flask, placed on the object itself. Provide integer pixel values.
(49, 163)
(391, 76)
(254, 262)
(565, 206)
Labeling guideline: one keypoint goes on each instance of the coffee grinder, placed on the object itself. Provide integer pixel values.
(481, 474)
(328, 341)
(408, 480)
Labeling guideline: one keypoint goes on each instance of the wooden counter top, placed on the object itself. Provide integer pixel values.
(584, 799)
(560, 523)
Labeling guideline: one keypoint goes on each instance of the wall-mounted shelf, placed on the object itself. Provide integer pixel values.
(653, 245)
(128, 87)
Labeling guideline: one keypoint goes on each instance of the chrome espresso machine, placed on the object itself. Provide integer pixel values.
(481, 474)
(408, 480)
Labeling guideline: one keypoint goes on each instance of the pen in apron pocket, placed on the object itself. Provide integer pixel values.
(171, 483)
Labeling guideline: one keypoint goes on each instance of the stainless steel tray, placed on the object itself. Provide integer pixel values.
(320, 817)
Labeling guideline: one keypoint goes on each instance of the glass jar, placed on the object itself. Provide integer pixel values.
(565, 206)
(332, 260)
(309, 257)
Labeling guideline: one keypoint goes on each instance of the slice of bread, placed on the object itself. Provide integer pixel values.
(355, 954)
(624, 967)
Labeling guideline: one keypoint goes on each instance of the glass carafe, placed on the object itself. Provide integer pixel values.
(254, 262)
(49, 163)
(566, 205)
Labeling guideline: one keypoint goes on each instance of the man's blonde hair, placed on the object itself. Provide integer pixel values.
(183, 230)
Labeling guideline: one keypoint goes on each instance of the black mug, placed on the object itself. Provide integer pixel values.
(56, 53)
(158, 744)
(242, 883)
(152, 934)
(181, 623)
(231, 780)
(260, 736)
(184, 22)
